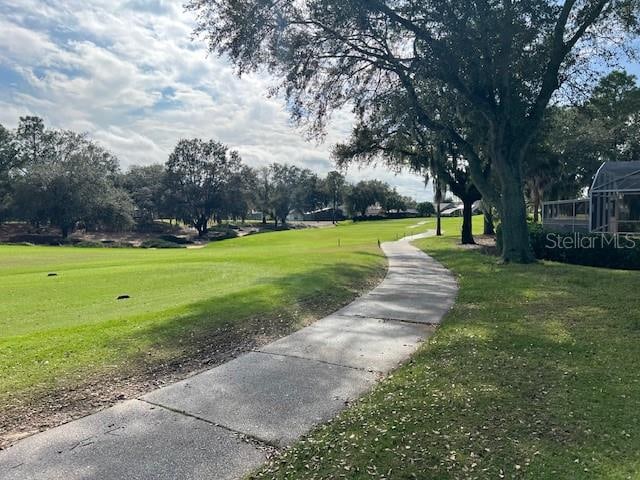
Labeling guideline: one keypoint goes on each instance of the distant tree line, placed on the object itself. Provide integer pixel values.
(60, 178)
(66, 180)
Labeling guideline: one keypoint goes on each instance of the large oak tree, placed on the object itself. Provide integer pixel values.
(68, 179)
(499, 62)
(198, 173)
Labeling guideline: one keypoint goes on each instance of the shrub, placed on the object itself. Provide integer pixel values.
(159, 243)
(368, 218)
(221, 233)
(158, 227)
(36, 239)
(175, 239)
(589, 249)
(91, 244)
(263, 227)
(101, 244)
(386, 216)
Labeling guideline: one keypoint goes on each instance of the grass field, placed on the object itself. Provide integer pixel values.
(534, 374)
(63, 331)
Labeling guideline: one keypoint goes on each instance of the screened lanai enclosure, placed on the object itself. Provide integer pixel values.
(613, 205)
(566, 215)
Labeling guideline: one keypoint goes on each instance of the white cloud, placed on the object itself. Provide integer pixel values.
(22, 43)
(127, 72)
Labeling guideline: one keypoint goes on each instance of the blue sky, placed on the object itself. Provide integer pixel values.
(128, 73)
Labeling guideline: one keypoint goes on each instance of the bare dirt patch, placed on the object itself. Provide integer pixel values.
(19, 232)
(24, 233)
(486, 243)
(22, 416)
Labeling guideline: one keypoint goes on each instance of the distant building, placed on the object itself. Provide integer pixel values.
(254, 215)
(374, 210)
(295, 216)
(456, 209)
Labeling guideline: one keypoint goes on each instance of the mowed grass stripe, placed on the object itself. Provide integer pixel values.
(62, 330)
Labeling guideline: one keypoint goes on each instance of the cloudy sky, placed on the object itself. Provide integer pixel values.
(128, 73)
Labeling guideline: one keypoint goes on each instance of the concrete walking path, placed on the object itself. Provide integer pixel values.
(222, 423)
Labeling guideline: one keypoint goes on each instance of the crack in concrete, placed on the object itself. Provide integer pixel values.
(392, 320)
(257, 442)
(299, 357)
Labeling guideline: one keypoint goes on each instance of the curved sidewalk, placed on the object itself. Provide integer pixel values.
(222, 423)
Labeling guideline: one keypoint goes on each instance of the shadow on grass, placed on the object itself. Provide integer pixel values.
(553, 380)
(274, 307)
(535, 373)
(129, 356)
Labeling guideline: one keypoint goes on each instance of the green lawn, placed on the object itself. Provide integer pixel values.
(534, 374)
(64, 330)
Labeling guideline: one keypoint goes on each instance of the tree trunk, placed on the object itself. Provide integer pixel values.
(264, 219)
(513, 214)
(536, 204)
(333, 213)
(467, 223)
(65, 231)
(201, 227)
(489, 229)
(438, 220)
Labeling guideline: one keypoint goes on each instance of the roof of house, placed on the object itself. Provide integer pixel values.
(617, 177)
(450, 211)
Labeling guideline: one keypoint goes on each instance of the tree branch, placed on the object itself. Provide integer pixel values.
(559, 52)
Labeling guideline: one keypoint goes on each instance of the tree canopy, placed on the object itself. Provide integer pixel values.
(198, 173)
(480, 73)
(69, 179)
(576, 139)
